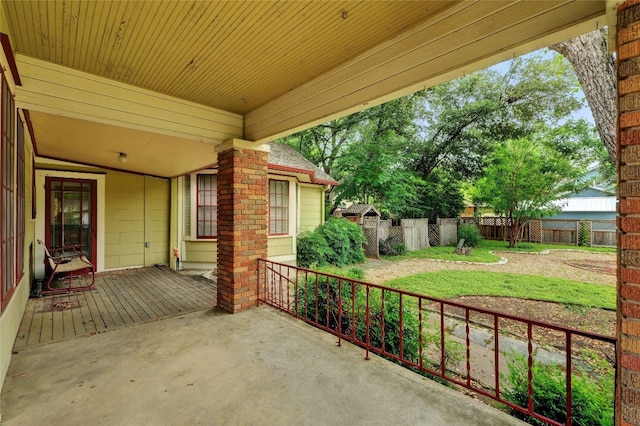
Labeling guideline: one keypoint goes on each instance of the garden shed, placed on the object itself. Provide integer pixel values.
(359, 212)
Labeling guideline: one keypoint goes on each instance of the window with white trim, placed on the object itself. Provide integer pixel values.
(278, 207)
(207, 206)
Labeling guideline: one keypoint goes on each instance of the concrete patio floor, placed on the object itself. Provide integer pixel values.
(257, 367)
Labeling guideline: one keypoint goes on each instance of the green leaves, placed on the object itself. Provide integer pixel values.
(524, 178)
(338, 242)
(592, 394)
(411, 155)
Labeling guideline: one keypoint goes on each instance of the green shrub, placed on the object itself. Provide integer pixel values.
(384, 325)
(345, 239)
(470, 233)
(333, 308)
(322, 300)
(592, 396)
(338, 242)
(312, 249)
(386, 249)
(351, 273)
(401, 249)
(584, 233)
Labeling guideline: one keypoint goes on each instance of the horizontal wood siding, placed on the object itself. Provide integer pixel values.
(280, 246)
(157, 217)
(310, 207)
(201, 251)
(55, 89)
(124, 221)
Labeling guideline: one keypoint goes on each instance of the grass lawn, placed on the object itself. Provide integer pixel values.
(449, 284)
(483, 253)
(537, 248)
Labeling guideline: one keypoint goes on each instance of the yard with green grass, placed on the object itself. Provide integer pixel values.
(574, 286)
(451, 284)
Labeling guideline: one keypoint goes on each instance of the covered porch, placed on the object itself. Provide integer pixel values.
(120, 299)
(162, 89)
(210, 367)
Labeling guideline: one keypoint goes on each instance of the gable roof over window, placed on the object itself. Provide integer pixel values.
(286, 159)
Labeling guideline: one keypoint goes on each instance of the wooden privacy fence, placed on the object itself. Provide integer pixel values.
(414, 234)
(554, 231)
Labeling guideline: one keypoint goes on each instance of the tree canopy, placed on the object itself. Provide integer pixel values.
(523, 179)
(412, 157)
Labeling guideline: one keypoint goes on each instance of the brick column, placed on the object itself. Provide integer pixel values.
(628, 309)
(242, 222)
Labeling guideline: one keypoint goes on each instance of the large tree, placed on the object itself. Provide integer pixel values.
(526, 176)
(595, 68)
(325, 143)
(463, 118)
(411, 155)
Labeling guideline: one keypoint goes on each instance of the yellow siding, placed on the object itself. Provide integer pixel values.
(310, 207)
(175, 216)
(124, 224)
(10, 322)
(137, 211)
(201, 251)
(52, 88)
(157, 203)
(280, 246)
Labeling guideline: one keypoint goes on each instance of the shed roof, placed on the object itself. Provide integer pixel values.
(360, 210)
(284, 158)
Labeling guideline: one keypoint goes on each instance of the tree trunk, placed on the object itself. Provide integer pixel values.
(514, 230)
(595, 69)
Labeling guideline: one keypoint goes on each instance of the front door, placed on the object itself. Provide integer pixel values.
(71, 215)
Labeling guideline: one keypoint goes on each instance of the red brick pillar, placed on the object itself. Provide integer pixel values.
(242, 222)
(628, 324)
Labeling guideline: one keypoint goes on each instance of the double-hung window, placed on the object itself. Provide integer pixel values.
(278, 207)
(207, 206)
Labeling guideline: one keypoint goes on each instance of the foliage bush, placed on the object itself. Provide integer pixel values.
(345, 239)
(401, 249)
(333, 308)
(584, 233)
(470, 233)
(312, 249)
(592, 396)
(386, 248)
(338, 242)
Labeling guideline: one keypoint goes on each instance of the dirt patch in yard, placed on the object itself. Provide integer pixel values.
(596, 268)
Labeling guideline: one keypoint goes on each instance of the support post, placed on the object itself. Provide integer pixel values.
(242, 222)
(628, 162)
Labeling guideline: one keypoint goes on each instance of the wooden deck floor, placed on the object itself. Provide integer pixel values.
(120, 299)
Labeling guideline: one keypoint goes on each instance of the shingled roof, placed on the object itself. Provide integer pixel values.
(284, 158)
(361, 210)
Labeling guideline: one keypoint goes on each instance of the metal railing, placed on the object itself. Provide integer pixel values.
(475, 348)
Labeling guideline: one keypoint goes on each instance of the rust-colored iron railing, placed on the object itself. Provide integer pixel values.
(469, 346)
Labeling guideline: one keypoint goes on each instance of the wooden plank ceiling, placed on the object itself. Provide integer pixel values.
(190, 49)
(286, 65)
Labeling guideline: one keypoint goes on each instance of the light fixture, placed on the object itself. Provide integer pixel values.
(122, 157)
